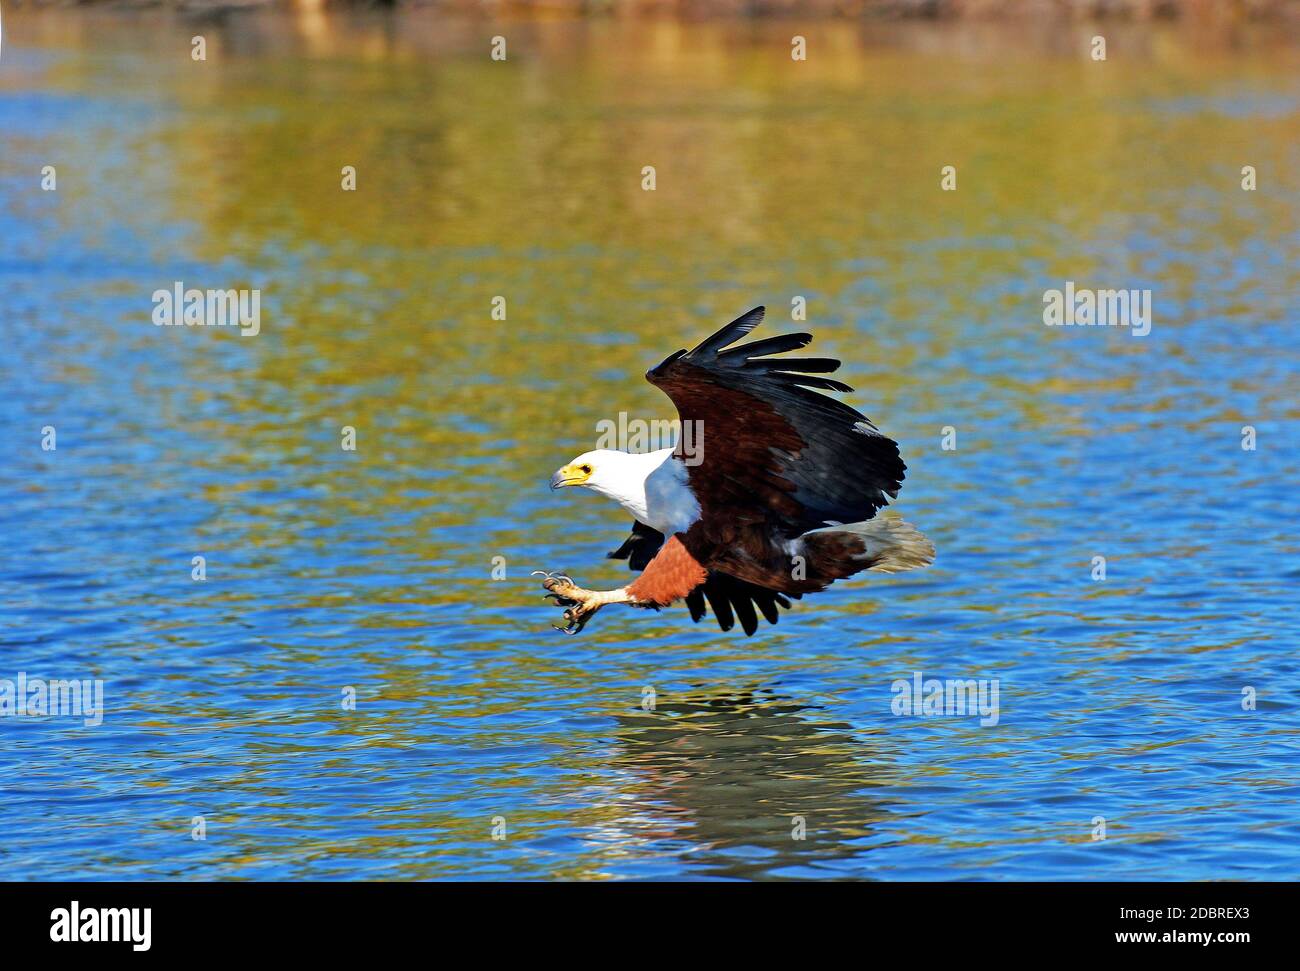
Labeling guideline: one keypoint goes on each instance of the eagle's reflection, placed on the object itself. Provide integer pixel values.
(730, 775)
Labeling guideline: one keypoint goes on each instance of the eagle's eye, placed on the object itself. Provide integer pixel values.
(586, 469)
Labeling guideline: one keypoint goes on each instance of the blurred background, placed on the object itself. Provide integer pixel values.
(522, 178)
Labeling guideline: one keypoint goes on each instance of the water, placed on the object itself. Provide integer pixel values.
(373, 569)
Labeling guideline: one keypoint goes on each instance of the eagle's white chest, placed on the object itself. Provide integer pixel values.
(670, 506)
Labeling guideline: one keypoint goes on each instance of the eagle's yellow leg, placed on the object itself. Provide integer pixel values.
(672, 574)
(580, 605)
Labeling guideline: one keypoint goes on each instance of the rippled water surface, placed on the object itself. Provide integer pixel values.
(1120, 698)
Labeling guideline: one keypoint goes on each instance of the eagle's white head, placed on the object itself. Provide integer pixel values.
(625, 477)
(619, 475)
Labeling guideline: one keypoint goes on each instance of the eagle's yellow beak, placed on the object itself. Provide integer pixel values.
(571, 475)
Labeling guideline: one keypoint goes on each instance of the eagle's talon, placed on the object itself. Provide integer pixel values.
(576, 620)
(579, 605)
(560, 586)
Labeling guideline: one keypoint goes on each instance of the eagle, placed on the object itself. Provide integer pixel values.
(776, 498)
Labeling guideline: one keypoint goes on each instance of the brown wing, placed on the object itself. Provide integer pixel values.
(773, 450)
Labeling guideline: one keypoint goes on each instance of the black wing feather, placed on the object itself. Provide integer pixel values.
(744, 608)
(809, 365)
(733, 332)
(768, 345)
(721, 605)
(640, 547)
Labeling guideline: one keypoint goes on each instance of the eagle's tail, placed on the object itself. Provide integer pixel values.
(884, 545)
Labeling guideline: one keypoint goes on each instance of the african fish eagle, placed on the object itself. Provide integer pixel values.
(777, 499)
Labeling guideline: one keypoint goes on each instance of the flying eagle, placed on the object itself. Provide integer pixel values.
(775, 501)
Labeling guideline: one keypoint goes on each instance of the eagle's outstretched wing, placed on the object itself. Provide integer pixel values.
(730, 598)
(774, 451)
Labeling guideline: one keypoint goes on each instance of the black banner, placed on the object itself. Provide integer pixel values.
(335, 920)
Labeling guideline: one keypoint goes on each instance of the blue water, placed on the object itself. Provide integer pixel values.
(1119, 698)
